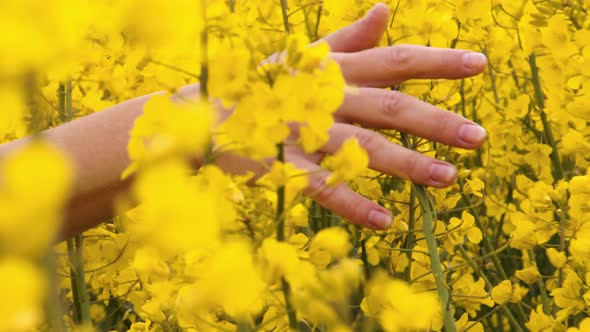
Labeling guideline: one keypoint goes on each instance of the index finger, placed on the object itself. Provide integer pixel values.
(387, 66)
(362, 34)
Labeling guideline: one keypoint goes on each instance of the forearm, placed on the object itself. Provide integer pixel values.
(97, 147)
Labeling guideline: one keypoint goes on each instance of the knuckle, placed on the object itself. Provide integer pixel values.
(358, 215)
(316, 182)
(412, 168)
(400, 57)
(443, 123)
(324, 193)
(391, 103)
(369, 140)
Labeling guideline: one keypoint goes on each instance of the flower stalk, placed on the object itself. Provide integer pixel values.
(280, 216)
(556, 170)
(285, 12)
(80, 294)
(204, 77)
(75, 245)
(428, 220)
(280, 220)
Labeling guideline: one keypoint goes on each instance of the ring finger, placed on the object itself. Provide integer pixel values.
(393, 159)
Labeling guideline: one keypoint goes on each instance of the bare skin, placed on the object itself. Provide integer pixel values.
(97, 144)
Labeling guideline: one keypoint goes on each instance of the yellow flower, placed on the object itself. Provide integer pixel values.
(464, 324)
(474, 187)
(518, 107)
(36, 184)
(523, 235)
(46, 33)
(298, 216)
(306, 58)
(471, 294)
(539, 321)
(584, 326)
(23, 289)
(568, 296)
(328, 245)
(169, 129)
(321, 297)
(278, 259)
(393, 301)
(507, 292)
(429, 24)
(168, 197)
(470, 10)
(464, 227)
(11, 118)
(286, 175)
(349, 161)
(148, 262)
(229, 75)
(528, 275)
(228, 278)
(556, 37)
(557, 258)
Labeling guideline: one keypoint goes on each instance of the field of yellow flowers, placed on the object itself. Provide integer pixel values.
(507, 248)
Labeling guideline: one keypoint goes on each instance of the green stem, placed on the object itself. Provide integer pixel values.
(365, 260)
(80, 294)
(317, 22)
(292, 316)
(53, 305)
(562, 244)
(494, 87)
(411, 236)
(36, 123)
(544, 297)
(243, 327)
(280, 219)
(495, 260)
(61, 101)
(325, 218)
(204, 82)
(477, 271)
(69, 114)
(75, 245)
(555, 159)
(285, 12)
(557, 171)
(511, 318)
(428, 219)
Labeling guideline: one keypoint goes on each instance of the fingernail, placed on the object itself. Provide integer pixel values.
(474, 60)
(379, 219)
(442, 173)
(472, 134)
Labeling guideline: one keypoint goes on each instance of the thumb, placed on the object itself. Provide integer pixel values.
(362, 34)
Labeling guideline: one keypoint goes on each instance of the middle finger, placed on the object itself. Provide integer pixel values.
(385, 109)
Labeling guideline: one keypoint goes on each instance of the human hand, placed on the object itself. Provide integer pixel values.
(372, 69)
